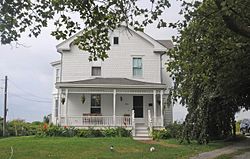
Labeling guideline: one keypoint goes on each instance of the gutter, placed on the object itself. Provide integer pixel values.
(67, 85)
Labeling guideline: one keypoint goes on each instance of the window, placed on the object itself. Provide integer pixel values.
(96, 71)
(116, 40)
(137, 67)
(56, 108)
(57, 75)
(95, 104)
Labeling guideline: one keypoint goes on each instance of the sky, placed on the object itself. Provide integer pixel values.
(31, 75)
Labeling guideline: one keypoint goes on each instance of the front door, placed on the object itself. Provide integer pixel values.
(138, 106)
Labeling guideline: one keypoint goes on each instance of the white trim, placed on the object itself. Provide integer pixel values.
(66, 106)
(65, 45)
(117, 92)
(70, 85)
(154, 103)
(114, 105)
(161, 96)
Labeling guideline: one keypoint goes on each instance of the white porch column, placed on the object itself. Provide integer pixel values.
(59, 107)
(114, 103)
(154, 105)
(66, 107)
(162, 119)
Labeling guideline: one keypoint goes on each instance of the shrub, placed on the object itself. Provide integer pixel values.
(19, 127)
(161, 134)
(122, 132)
(175, 129)
(51, 130)
(116, 132)
(89, 133)
(110, 132)
(84, 133)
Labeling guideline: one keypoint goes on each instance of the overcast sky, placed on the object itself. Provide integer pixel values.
(30, 73)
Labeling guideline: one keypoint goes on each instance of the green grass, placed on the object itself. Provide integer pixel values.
(231, 155)
(84, 148)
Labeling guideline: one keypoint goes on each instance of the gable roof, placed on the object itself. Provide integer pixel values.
(167, 43)
(158, 47)
(110, 82)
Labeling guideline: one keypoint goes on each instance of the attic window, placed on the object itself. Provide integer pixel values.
(96, 71)
(116, 40)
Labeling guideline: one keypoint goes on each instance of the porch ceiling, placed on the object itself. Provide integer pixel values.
(110, 83)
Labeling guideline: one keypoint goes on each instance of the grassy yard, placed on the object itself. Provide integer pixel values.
(82, 148)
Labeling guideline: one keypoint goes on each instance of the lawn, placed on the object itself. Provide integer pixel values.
(84, 148)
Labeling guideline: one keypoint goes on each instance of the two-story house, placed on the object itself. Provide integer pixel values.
(129, 89)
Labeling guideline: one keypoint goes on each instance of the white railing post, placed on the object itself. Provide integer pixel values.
(154, 106)
(133, 122)
(114, 103)
(66, 107)
(149, 122)
(162, 118)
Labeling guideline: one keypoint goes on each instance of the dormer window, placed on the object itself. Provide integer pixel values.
(96, 71)
(116, 40)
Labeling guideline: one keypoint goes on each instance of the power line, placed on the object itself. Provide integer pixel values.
(29, 93)
(28, 99)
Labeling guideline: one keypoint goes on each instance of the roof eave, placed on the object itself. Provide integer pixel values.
(70, 85)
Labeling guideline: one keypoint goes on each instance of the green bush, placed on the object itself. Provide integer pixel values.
(175, 130)
(110, 132)
(161, 134)
(116, 132)
(1, 126)
(51, 130)
(90, 132)
(122, 132)
(19, 127)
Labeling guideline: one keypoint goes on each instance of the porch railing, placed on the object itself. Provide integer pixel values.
(157, 121)
(88, 121)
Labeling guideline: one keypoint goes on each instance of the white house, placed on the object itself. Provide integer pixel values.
(129, 89)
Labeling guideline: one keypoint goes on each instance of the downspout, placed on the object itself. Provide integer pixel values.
(58, 92)
(161, 65)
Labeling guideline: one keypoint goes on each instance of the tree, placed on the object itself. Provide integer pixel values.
(210, 67)
(97, 16)
(1, 126)
(235, 19)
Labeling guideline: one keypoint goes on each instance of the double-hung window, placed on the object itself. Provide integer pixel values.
(137, 66)
(96, 71)
(95, 104)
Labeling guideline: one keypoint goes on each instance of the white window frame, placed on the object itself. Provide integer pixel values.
(137, 76)
(96, 67)
(95, 106)
(114, 40)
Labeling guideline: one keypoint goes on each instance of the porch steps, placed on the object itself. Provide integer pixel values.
(141, 132)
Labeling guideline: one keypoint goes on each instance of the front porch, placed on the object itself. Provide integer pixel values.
(114, 108)
(84, 104)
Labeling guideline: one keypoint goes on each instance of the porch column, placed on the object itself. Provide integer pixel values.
(114, 102)
(59, 107)
(162, 119)
(66, 106)
(154, 105)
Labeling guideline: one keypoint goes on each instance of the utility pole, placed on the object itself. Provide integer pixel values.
(5, 106)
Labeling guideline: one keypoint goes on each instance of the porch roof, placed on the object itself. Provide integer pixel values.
(110, 83)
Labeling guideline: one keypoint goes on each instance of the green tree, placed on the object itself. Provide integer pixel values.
(1, 126)
(97, 17)
(210, 67)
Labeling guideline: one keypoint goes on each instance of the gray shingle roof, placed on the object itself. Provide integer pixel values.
(167, 43)
(115, 81)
